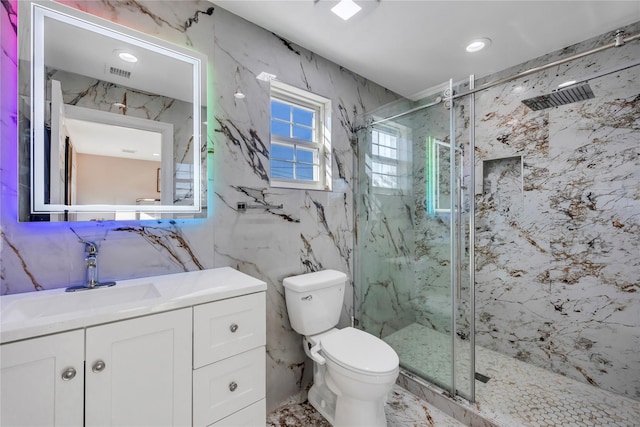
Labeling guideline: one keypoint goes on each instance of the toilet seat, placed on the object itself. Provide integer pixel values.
(359, 351)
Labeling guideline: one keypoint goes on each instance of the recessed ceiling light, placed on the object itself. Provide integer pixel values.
(239, 95)
(346, 9)
(127, 57)
(478, 44)
(567, 83)
(156, 154)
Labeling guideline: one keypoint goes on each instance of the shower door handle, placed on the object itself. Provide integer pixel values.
(458, 238)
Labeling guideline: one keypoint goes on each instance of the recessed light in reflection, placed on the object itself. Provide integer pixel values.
(127, 57)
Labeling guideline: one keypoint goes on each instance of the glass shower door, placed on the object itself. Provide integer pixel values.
(412, 247)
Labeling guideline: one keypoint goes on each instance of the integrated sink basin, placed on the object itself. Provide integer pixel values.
(66, 303)
(34, 314)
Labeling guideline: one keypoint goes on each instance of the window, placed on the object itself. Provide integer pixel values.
(300, 139)
(384, 153)
(389, 159)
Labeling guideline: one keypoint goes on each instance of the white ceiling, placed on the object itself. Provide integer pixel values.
(413, 46)
(93, 55)
(101, 139)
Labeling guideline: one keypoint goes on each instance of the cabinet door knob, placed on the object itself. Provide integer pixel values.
(233, 386)
(68, 374)
(98, 366)
(233, 327)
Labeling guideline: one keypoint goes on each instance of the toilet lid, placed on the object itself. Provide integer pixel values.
(358, 350)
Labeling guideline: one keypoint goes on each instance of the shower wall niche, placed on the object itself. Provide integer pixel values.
(502, 184)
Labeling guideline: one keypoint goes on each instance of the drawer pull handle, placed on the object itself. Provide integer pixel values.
(233, 386)
(98, 366)
(233, 327)
(68, 374)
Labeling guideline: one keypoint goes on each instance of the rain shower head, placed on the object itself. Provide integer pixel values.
(559, 97)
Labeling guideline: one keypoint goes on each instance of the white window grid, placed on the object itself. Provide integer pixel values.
(319, 144)
(385, 158)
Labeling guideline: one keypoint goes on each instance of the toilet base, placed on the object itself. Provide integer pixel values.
(343, 411)
(358, 413)
(324, 401)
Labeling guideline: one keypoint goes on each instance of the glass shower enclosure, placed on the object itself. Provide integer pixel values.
(413, 213)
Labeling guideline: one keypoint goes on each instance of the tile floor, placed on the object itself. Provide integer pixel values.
(517, 394)
(403, 410)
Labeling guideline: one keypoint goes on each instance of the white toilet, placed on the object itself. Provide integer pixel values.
(353, 371)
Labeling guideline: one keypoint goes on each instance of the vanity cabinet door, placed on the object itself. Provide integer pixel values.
(138, 371)
(42, 381)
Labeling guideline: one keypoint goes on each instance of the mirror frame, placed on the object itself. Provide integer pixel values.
(71, 16)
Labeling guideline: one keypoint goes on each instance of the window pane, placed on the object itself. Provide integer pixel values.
(385, 152)
(280, 169)
(304, 172)
(280, 110)
(282, 152)
(303, 117)
(306, 156)
(279, 128)
(303, 133)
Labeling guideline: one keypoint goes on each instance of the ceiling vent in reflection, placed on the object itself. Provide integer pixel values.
(119, 72)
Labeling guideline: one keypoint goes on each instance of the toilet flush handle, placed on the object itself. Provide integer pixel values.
(313, 354)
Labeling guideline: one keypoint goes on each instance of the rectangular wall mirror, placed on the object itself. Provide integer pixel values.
(111, 120)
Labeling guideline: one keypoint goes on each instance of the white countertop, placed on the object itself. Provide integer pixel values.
(33, 314)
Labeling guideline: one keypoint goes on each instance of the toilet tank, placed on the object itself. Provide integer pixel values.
(314, 300)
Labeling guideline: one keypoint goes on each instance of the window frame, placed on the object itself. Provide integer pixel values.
(305, 100)
(401, 162)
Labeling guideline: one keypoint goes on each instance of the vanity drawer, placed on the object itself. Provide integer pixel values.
(224, 328)
(225, 387)
(254, 416)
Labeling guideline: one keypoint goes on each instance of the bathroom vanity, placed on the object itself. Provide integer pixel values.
(174, 350)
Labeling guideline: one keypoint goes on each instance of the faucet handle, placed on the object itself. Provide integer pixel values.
(90, 247)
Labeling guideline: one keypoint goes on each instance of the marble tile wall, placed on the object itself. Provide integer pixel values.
(313, 230)
(557, 247)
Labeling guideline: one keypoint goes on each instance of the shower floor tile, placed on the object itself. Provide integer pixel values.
(403, 410)
(517, 393)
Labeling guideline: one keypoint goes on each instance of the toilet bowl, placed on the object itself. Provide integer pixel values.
(353, 370)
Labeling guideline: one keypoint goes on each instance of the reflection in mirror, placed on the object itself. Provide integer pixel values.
(438, 176)
(115, 120)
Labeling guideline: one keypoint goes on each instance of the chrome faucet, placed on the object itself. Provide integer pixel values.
(92, 264)
(91, 260)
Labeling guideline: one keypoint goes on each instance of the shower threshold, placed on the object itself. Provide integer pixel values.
(517, 394)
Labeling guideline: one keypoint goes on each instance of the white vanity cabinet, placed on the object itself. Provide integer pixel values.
(229, 362)
(43, 381)
(138, 371)
(193, 356)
